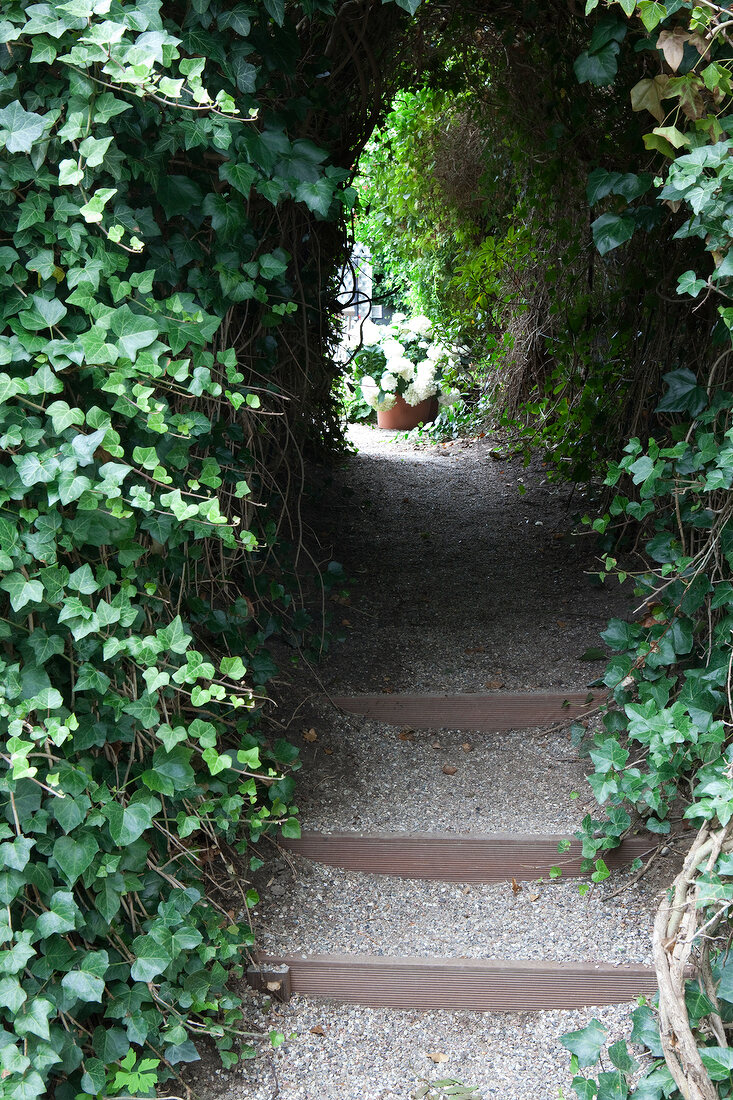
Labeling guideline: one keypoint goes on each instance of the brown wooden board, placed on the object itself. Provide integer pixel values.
(451, 858)
(496, 712)
(481, 985)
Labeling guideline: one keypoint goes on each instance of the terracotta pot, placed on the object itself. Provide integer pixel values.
(401, 417)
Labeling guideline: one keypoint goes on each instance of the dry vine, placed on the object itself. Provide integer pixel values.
(677, 939)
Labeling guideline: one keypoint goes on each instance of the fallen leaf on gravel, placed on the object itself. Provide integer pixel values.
(318, 1030)
(476, 649)
(561, 623)
(345, 622)
(406, 735)
(448, 769)
(437, 1056)
(466, 746)
(387, 691)
(593, 654)
(534, 897)
(494, 685)
(310, 735)
(436, 745)
(328, 752)
(516, 887)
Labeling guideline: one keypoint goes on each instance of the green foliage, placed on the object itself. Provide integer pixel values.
(139, 161)
(474, 205)
(427, 220)
(667, 729)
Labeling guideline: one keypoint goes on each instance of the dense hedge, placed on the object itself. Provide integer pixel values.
(158, 190)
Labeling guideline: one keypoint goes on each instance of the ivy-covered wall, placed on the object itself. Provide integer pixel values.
(169, 226)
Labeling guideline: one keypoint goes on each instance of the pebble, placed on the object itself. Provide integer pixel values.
(425, 618)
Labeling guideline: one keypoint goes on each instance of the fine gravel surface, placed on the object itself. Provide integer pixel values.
(466, 573)
(384, 915)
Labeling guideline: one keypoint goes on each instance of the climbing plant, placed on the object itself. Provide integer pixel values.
(157, 181)
(455, 191)
(665, 746)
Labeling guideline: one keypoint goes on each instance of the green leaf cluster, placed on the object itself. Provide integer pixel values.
(140, 161)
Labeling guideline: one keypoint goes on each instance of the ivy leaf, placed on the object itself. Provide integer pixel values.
(647, 95)
(718, 1061)
(409, 6)
(232, 667)
(20, 129)
(128, 823)
(276, 8)
(651, 13)
(33, 1020)
(22, 590)
(84, 446)
(688, 283)
(598, 68)
(93, 150)
(645, 1030)
(134, 330)
(61, 915)
(82, 580)
(179, 195)
(91, 678)
(63, 416)
(611, 230)
(69, 173)
(619, 1054)
(152, 959)
(291, 828)
(684, 393)
(109, 897)
(240, 176)
(44, 313)
(586, 1044)
(12, 995)
(609, 754)
(584, 1088)
(74, 856)
(317, 196)
(94, 1077)
(83, 986)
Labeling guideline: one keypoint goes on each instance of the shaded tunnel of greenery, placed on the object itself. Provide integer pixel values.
(178, 197)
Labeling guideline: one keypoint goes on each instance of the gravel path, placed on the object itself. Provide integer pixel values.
(459, 582)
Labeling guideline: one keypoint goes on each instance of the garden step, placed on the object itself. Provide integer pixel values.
(495, 712)
(481, 985)
(453, 858)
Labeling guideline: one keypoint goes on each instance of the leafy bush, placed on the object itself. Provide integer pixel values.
(666, 737)
(133, 434)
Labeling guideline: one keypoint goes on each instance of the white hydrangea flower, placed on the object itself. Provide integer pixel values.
(388, 383)
(437, 351)
(413, 395)
(369, 390)
(420, 325)
(397, 318)
(392, 348)
(385, 402)
(402, 366)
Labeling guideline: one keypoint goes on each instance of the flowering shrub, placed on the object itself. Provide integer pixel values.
(401, 358)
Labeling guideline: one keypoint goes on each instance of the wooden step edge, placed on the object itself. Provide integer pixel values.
(494, 713)
(480, 985)
(452, 858)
